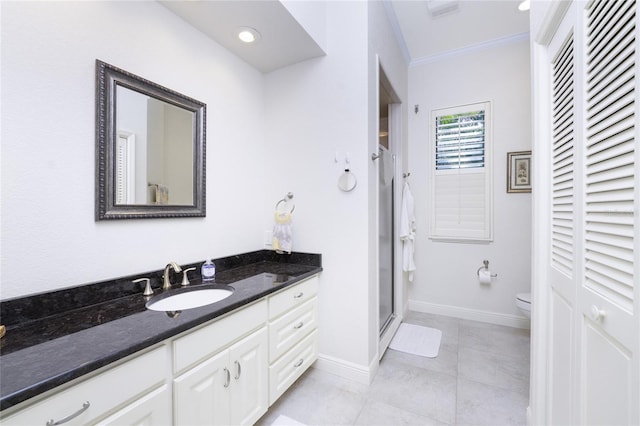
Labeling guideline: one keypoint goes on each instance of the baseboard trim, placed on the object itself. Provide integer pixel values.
(470, 314)
(347, 370)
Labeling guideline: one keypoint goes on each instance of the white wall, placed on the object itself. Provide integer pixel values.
(315, 110)
(445, 280)
(49, 237)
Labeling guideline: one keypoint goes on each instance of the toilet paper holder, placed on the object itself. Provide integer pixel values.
(486, 268)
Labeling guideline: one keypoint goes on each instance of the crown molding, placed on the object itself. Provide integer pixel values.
(474, 48)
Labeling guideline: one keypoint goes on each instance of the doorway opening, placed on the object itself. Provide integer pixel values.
(388, 141)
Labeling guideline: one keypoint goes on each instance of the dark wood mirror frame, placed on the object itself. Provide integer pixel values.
(108, 78)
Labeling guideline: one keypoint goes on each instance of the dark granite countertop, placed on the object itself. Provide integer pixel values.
(53, 338)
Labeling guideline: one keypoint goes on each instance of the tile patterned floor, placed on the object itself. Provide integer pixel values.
(481, 377)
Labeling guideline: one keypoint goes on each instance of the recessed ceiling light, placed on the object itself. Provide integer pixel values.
(248, 34)
(524, 5)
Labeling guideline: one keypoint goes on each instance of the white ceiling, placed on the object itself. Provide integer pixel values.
(285, 42)
(473, 23)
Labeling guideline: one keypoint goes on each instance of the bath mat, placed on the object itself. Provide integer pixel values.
(283, 420)
(417, 340)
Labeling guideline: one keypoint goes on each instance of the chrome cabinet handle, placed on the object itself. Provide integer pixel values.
(298, 325)
(238, 370)
(299, 363)
(84, 408)
(298, 296)
(228, 381)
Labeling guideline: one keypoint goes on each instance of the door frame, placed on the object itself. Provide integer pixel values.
(395, 138)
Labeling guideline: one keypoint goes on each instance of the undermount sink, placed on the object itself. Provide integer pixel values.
(193, 298)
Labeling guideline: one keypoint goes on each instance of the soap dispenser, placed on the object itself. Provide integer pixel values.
(208, 271)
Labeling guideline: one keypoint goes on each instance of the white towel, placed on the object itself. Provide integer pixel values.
(282, 236)
(387, 166)
(407, 231)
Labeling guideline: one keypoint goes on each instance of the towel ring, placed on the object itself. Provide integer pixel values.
(287, 197)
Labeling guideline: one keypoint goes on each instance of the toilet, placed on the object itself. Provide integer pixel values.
(523, 302)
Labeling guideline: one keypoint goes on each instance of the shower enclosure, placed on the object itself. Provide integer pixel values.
(390, 284)
(386, 239)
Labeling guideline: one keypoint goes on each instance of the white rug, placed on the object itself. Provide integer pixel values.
(417, 340)
(283, 420)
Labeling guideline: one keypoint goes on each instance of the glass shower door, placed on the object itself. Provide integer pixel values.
(385, 235)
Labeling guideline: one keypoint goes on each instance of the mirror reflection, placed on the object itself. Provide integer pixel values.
(150, 149)
(154, 151)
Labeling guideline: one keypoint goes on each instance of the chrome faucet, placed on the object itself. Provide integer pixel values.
(167, 281)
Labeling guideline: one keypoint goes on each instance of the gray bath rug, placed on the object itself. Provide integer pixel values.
(417, 340)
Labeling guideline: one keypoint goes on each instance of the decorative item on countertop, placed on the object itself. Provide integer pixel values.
(282, 235)
(484, 274)
(208, 271)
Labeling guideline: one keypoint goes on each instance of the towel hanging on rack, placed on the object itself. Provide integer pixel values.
(386, 167)
(407, 231)
(282, 235)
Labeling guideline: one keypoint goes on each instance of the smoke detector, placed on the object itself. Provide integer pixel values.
(441, 7)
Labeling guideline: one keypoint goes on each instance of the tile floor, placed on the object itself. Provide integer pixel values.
(480, 377)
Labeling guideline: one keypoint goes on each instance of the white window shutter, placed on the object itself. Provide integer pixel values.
(609, 156)
(125, 168)
(461, 185)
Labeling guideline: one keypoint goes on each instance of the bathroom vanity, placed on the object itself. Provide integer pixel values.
(223, 363)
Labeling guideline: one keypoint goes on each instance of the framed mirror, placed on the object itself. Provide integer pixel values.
(150, 149)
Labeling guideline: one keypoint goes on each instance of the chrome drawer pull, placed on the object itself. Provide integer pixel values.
(298, 296)
(238, 370)
(298, 325)
(299, 363)
(226, 384)
(85, 405)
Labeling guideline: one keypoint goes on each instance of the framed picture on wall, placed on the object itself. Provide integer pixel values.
(519, 171)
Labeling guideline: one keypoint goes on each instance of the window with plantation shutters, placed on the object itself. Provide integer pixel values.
(461, 191)
(460, 140)
(609, 151)
(563, 133)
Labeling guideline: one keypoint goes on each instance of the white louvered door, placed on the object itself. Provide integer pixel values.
(593, 372)
(608, 323)
(562, 270)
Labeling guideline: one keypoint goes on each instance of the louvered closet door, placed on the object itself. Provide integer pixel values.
(562, 268)
(609, 331)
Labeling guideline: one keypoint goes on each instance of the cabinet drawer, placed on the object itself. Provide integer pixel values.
(153, 408)
(290, 367)
(200, 344)
(103, 392)
(292, 297)
(286, 331)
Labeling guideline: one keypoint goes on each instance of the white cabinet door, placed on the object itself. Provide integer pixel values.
(150, 410)
(230, 388)
(201, 394)
(249, 388)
